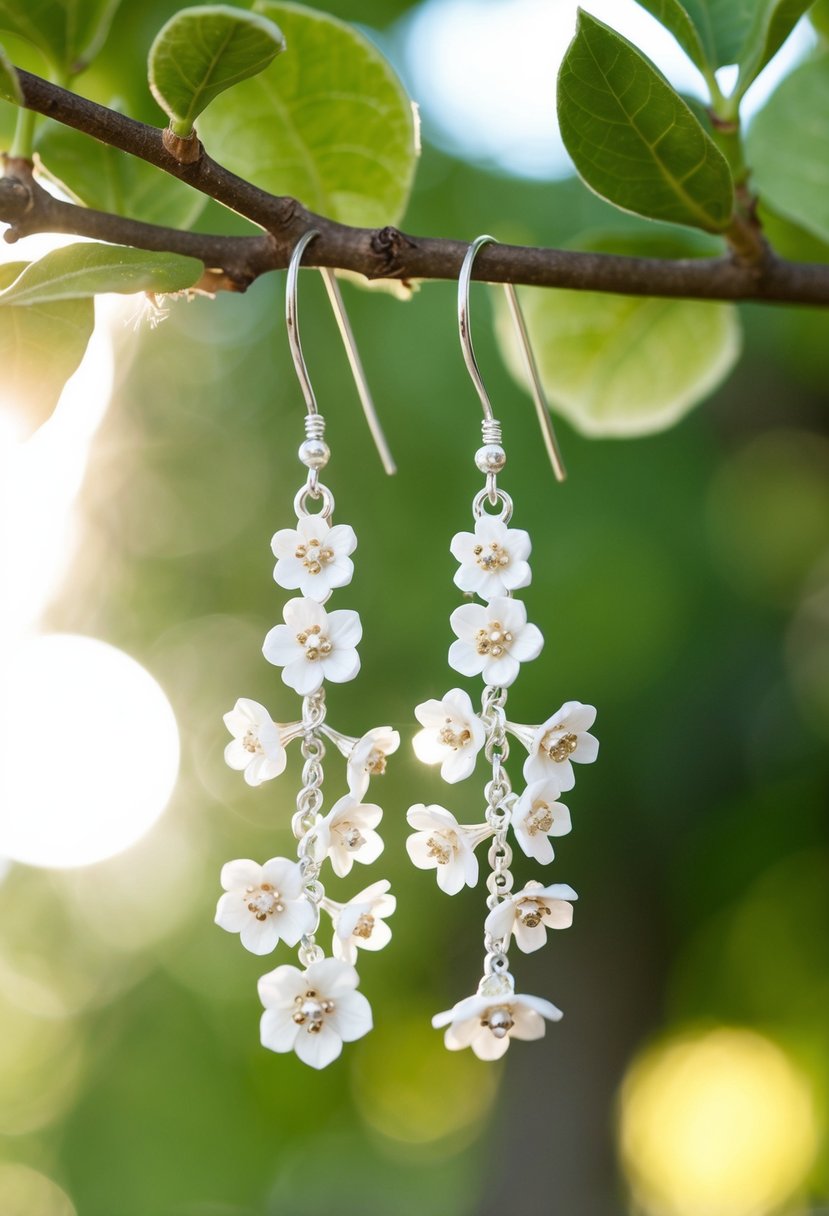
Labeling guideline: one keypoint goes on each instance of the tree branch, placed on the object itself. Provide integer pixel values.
(376, 253)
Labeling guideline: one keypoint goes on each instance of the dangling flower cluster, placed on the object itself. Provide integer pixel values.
(315, 1009)
(493, 639)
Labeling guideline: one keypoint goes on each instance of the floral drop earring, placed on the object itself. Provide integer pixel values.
(312, 1010)
(493, 639)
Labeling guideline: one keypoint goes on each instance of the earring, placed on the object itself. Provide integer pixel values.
(312, 1010)
(493, 640)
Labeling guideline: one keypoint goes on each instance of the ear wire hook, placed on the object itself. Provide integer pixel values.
(347, 334)
(541, 407)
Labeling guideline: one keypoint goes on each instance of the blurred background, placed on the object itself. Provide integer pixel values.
(682, 583)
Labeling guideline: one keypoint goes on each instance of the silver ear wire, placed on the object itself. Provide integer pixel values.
(491, 427)
(315, 429)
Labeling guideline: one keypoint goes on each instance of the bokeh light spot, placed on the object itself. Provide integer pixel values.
(40, 1067)
(396, 1099)
(716, 1123)
(89, 752)
(769, 513)
(25, 1192)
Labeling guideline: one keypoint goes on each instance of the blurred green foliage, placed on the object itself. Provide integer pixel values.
(681, 582)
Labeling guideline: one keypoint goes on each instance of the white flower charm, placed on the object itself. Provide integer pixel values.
(313, 1012)
(257, 747)
(530, 912)
(443, 844)
(366, 756)
(264, 904)
(453, 735)
(493, 558)
(346, 834)
(360, 924)
(488, 1021)
(314, 645)
(313, 557)
(536, 816)
(556, 743)
(493, 640)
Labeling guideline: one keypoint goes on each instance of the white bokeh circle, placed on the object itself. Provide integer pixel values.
(89, 751)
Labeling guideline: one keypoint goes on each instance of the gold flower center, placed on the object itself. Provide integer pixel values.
(263, 901)
(251, 743)
(494, 640)
(351, 836)
(499, 1020)
(364, 927)
(490, 557)
(316, 644)
(438, 848)
(540, 818)
(559, 747)
(376, 763)
(532, 912)
(311, 1011)
(455, 739)
(314, 555)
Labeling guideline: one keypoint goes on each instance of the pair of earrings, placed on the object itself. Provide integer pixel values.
(315, 1008)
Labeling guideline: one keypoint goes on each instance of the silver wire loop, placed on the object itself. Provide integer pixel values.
(492, 495)
(347, 334)
(541, 407)
(317, 493)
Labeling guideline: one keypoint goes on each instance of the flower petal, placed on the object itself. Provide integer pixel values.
(280, 645)
(231, 912)
(351, 1018)
(320, 1049)
(342, 539)
(260, 936)
(302, 613)
(430, 818)
(279, 988)
(340, 666)
(528, 1024)
(277, 1030)
(303, 675)
(528, 644)
(330, 977)
(344, 628)
(236, 875)
(464, 658)
(500, 920)
(487, 1047)
(587, 750)
(468, 619)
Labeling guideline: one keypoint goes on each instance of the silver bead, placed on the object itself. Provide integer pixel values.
(314, 453)
(491, 458)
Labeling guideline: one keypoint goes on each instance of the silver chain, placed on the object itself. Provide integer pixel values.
(499, 799)
(308, 805)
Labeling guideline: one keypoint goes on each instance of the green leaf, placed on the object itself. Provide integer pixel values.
(623, 366)
(100, 176)
(88, 269)
(329, 123)
(9, 84)
(774, 21)
(723, 26)
(789, 239)
(68, 32)
(714, 33)
(633, 139)
(40, 348)
(788, 147)
(819, 17)
(202, 51)
(675, 18)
